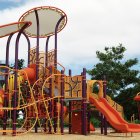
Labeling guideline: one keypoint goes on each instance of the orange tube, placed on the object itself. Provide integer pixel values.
(30, 72)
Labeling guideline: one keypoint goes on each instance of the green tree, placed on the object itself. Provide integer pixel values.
(20, 64)
(120, 75)
(126, 99)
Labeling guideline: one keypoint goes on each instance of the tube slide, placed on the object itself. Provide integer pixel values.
(113, 117)
(30, 71)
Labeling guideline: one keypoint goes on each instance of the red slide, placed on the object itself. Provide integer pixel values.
(113, 117)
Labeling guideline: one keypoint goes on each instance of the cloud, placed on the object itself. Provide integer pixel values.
(8, 4)
(91, 26)
(15, 1)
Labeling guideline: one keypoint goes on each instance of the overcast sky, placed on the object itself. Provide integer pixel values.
(92, 25)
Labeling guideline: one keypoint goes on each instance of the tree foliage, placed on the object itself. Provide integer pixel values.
(20, 64)
(118, 72)
(122, 78)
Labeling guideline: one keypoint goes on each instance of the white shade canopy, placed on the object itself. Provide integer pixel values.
(8, 29)
(48, 18)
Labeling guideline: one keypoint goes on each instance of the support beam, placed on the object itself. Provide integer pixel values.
(46, 52)
(102, 123)
(37, 57)
(70, 110)
(84, 104)
(50, 102)
(62, 103)
(56, 29)
(6, 83)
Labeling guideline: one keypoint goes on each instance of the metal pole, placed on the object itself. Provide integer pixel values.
(56, 28)
(70, 110)
(50, 102)
(6, 83)
(55, 115)
(53, 102)
(37, 56)
(7, 50)
(62, 102)
(37, 44)
(104, 90)
(15, 78)
(89, 116)
(102, 124)
(138, 105)
(46, 52)
(29, 46)
(84, 105)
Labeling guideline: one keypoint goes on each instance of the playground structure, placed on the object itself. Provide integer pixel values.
(41, 90)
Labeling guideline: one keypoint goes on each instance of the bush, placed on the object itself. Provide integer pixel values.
(95, 122)
(137, 121)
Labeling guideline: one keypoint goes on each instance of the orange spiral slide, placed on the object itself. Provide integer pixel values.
(30, 71)
(113, 117)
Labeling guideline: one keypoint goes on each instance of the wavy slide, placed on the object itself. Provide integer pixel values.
(113, 117)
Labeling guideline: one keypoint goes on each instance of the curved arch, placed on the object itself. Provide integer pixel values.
(56, 29)
(16, 76)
